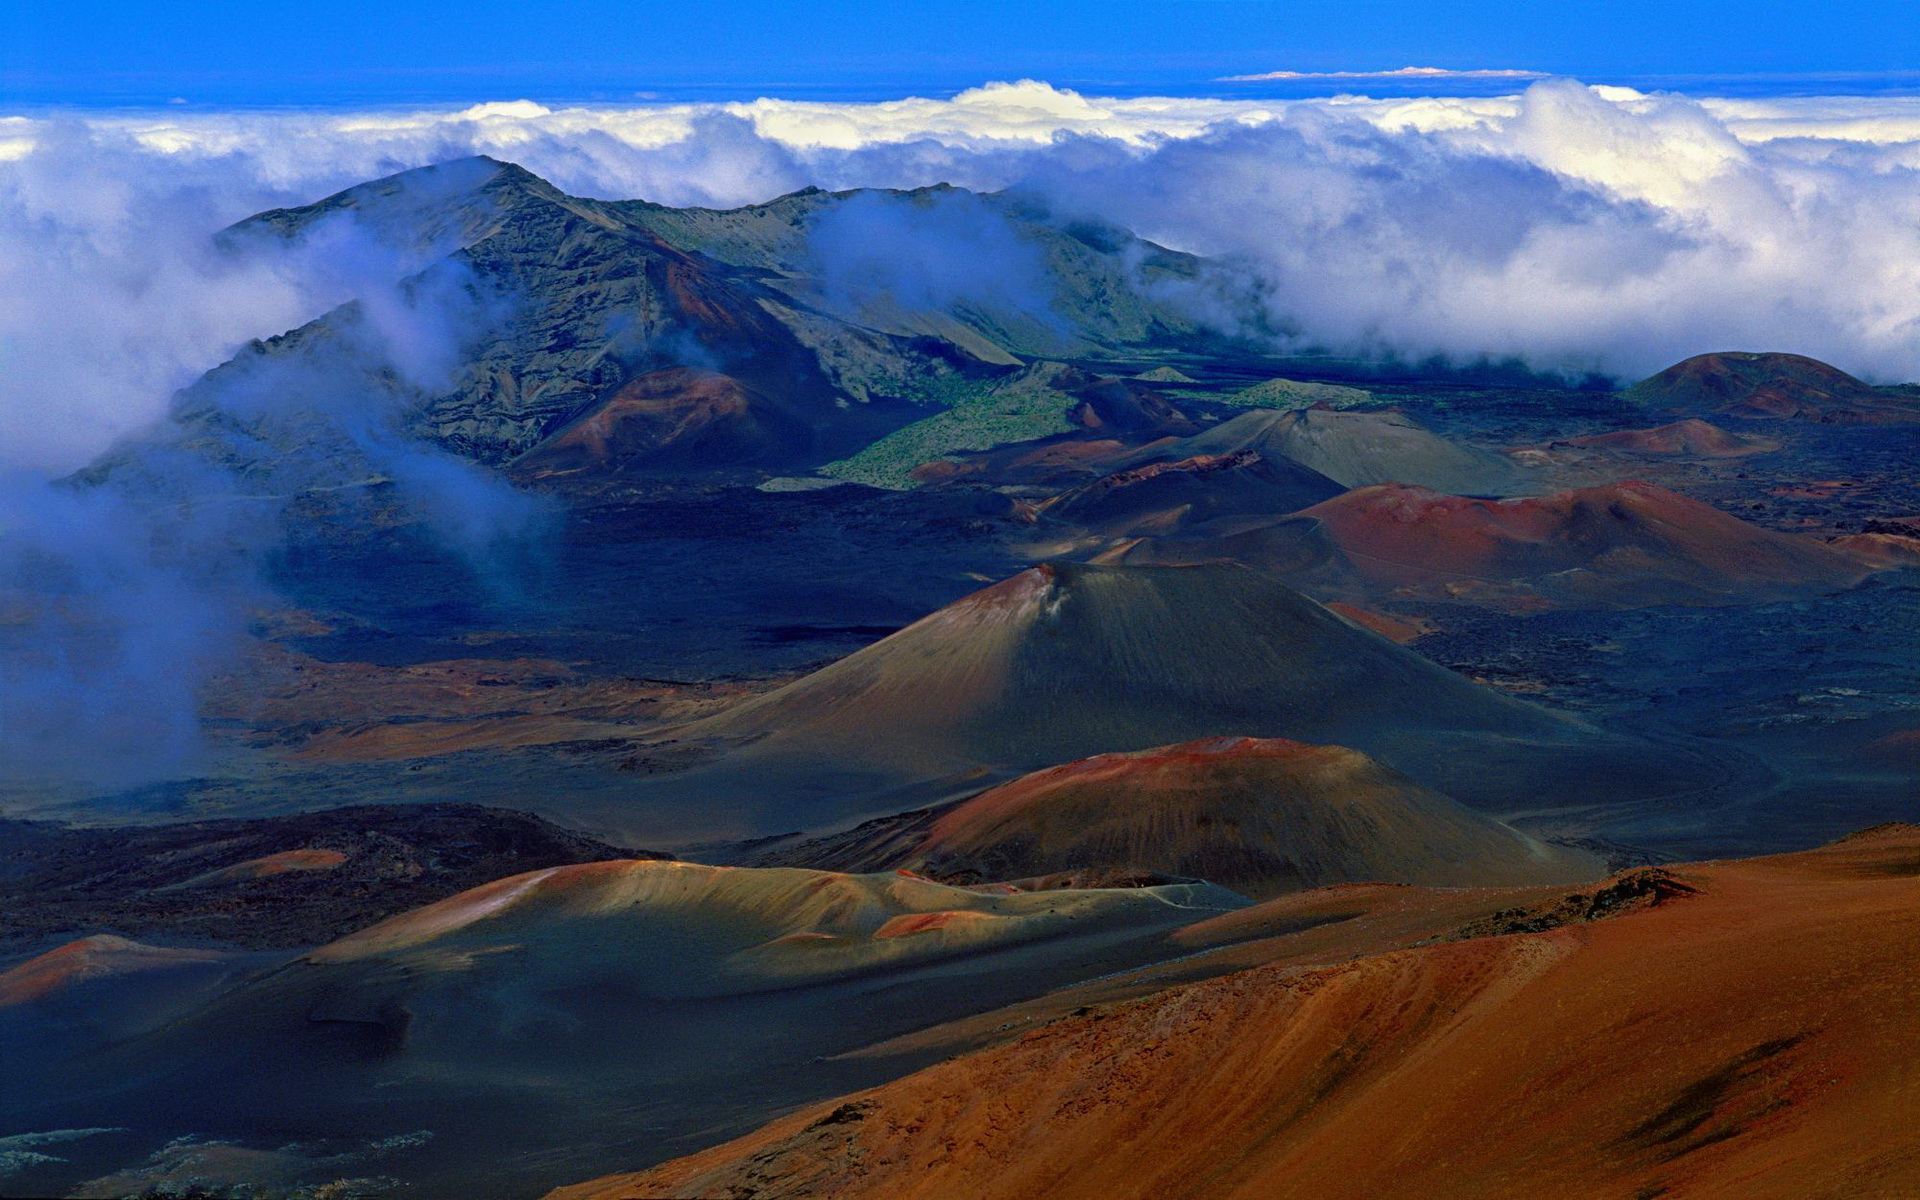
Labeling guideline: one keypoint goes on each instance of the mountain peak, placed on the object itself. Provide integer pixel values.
(460, 200)
(1067, 659)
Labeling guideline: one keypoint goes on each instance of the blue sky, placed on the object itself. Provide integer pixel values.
(351, 52)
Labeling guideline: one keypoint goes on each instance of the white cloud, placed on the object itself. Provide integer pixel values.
(1572, 227)
(1575, 228)
(1410, 74)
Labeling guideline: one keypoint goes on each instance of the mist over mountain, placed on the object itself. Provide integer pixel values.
(1516, 224)
(1575, 229)
(495, 322)
(537, 640)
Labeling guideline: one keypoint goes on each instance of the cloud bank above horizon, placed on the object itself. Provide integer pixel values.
(1434, 74)
(1576, 229)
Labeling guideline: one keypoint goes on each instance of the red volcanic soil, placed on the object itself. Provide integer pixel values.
(270, 865)
(1734, 1029)
(1398, 630)
(98, 957)
(1622, 544)
(1114, 418)
(1162, 497)
(681, 417)
(1886, 542)
(1038, 464)
(1691, 438)
(1262, 816)
(908, 924)
(361, 712)
(1769, 385)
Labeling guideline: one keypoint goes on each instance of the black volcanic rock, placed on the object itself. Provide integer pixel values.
(275, 882)
(1123, 406)
(1163, 497)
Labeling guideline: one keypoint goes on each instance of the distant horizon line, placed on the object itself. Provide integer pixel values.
(20, 92)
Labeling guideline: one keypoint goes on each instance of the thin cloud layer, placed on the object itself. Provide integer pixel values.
(1575, 229)
(1410, 74)
(1569, 227)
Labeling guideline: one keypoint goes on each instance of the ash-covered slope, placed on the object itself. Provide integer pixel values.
(95, 990)
(1359, 447)
(1066, 660)
(1262, 816)
(1720, 1029)
(680, 930)
(587, 1013)
(1068, 655)
(1165, 497)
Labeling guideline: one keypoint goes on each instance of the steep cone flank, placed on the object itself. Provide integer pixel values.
(1691, 438)
(1625, 543)
(1748, 1033)
(1766, 385)
(1167, 496)
(1262, 816)
(1357, 448)
(1066, 660)
(1071, 657)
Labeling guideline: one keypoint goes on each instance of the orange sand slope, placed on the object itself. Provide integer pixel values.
(1754, 1037)
(101, 956)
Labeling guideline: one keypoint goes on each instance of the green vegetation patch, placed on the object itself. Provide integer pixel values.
(1285, 394)
(1019, 408)
(1165, 375)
